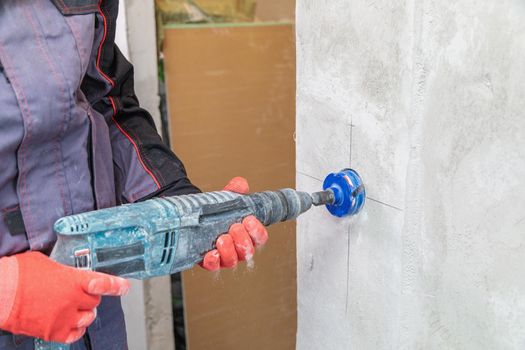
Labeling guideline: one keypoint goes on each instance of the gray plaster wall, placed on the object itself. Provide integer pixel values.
(426, 100)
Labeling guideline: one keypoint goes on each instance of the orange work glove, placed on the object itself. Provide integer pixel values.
(46, 300)
(240, 242)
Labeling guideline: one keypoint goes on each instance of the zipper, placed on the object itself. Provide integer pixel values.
(91, 158)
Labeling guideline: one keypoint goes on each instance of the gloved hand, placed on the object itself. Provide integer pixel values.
(240, 242)
(46, 300)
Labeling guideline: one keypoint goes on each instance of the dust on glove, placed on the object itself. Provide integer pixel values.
(241, 240)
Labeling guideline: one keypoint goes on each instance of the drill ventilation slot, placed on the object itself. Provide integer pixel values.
(83, 259)
(79, 227)
(167, 252)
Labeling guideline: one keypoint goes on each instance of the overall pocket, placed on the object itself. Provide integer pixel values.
(76, 7)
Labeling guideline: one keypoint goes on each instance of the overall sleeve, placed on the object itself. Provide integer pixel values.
(144, 166)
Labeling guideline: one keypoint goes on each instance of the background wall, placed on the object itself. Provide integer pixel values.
(425, 99)
(275, 10)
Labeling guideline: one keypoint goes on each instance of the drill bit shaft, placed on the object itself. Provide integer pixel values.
(323, 197)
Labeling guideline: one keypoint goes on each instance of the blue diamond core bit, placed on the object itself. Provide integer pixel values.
(349, 192)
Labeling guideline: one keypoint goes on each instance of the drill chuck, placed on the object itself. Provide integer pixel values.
(275, 206)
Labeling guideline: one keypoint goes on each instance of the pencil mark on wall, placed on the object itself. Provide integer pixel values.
(388, 205)
(351, 138)
(310, 176)
(347, 269)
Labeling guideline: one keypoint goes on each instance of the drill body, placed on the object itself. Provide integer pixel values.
(162, 236)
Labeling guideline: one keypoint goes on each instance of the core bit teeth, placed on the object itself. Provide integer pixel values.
(348, 192)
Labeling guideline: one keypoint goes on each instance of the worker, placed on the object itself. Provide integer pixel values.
(73, 138)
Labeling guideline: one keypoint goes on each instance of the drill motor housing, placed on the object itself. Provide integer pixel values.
(162, 236)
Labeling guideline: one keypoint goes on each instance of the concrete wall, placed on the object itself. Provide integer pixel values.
(426, 100)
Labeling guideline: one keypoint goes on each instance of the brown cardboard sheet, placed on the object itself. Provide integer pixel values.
(231, 100)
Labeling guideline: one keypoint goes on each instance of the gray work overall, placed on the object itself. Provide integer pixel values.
(72, 136)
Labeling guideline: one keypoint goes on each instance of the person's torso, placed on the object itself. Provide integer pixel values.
(54, 147)
(49, 129)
